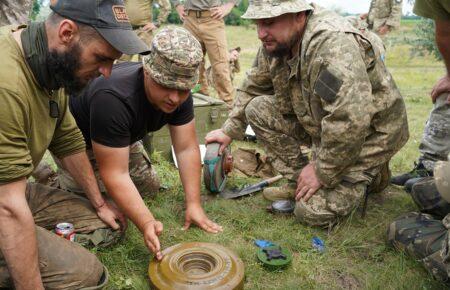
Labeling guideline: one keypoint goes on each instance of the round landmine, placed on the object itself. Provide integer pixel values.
(197, 265)
(274, 257)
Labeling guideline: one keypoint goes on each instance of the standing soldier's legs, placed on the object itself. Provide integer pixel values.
(280, 135)
(214, 37)
(192, 24)
(435, 143)
(211, 34)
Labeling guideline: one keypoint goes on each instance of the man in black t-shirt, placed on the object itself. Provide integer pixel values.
(114, 113)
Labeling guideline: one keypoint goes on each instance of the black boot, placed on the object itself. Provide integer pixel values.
(418, 171)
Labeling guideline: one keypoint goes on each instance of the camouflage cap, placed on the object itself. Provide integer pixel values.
(442, 178)
(175, 58)
(259, 9)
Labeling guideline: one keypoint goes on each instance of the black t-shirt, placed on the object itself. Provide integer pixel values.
(115, 111)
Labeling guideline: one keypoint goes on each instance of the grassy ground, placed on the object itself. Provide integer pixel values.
(356, 256)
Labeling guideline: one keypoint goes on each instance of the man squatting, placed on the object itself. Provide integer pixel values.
(320, 82)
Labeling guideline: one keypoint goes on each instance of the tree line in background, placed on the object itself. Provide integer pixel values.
(424, 41)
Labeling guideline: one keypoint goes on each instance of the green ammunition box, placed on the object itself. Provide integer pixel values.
(210, 114)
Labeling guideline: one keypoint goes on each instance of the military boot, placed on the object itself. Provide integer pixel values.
(286, 191)
(419, 170)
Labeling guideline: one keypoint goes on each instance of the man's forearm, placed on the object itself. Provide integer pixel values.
(189, 165)
(81, 170)
(19, 249)
(126, 196)
(443, 41)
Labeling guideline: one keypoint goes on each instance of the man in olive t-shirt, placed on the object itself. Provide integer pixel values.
(66, 51)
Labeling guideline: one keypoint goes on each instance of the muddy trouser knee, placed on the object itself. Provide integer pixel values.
(64, 264)
(141, 171)
(424, 238)
(435, 144)
(328, 205)
(281, 136)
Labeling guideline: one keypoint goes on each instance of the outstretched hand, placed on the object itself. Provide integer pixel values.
(152, 230)
(196, 215)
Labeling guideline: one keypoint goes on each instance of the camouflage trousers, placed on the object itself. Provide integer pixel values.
(435, 144)
(282, 138)
(64, 264)
(425, 235)
(426, 239)
(141, 171)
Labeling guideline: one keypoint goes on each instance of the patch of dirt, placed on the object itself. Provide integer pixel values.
(347, 281)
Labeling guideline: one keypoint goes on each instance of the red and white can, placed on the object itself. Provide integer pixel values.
(66, 231)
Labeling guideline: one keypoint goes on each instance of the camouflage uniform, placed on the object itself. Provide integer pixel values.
(141, 171)
(384, 12)
(336, 96)
(426, 235)
(435, 144)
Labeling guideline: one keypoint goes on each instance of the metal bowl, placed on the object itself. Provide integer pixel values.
(197, 266)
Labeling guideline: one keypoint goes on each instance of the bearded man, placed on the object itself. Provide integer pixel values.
(317, 81)
(79, 41)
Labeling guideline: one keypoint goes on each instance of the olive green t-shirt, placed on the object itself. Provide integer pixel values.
(434, 9)
(26, 128)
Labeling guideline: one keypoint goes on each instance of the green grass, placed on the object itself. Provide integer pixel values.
(356, 256)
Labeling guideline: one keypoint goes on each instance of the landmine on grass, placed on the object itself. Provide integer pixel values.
(199, 266)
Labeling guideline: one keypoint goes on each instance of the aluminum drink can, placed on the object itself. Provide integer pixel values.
(66, 231)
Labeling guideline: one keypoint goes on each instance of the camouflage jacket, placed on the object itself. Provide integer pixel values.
(384, 12)
(340, 91)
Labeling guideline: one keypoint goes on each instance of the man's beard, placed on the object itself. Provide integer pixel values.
(284, 48)
(63, 68)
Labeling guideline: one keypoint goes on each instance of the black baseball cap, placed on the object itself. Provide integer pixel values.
(108, 17)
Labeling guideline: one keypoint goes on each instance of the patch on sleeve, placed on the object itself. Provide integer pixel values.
(327, 85)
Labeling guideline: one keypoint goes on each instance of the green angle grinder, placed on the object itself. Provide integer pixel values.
(216, 167)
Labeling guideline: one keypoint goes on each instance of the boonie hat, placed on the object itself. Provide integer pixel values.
(260, 9)
(442, 178)
(108, 17)
(174, 59)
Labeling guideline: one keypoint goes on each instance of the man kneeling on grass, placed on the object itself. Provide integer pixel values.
(137, 99)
